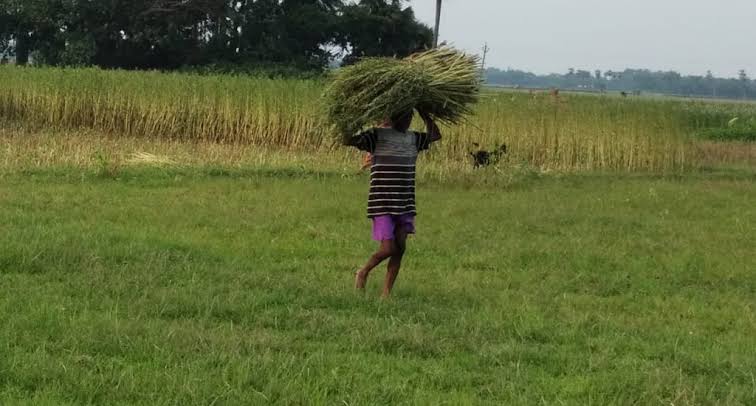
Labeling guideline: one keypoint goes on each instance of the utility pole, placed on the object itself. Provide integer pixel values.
(438, 23)
(485, 53)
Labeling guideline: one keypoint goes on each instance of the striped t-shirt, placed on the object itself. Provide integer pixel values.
(392, 175)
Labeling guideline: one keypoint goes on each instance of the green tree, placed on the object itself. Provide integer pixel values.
(167, 34)
(30, 25)
(382, 28)
(291, 31)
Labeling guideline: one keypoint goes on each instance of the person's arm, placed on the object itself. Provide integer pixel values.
(350, 140)
(434, 133)
(367, 161)
(364, 141)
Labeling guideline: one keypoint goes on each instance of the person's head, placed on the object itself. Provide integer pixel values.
(402, 121)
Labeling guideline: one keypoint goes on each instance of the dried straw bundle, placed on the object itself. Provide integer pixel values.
(441, 82)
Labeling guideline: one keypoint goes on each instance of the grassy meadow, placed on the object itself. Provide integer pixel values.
(190, 240)
(208, 286)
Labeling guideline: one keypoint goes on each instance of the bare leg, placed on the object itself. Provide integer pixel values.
(384, 252)
(400, 242)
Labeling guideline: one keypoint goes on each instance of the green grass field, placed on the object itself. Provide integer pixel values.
(233, 286)
(182, 239)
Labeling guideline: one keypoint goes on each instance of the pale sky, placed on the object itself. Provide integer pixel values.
(545, 36)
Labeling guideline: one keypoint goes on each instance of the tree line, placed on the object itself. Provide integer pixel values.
(283, 35)
(169, 34)
(631, 80)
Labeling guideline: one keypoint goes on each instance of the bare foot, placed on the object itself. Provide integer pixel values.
(360, 280)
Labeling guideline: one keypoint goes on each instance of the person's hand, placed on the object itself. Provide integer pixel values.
(367, 161)
(431, 127)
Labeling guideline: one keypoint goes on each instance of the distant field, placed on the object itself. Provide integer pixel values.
(233, 286)
(618, 93)
(569, 133)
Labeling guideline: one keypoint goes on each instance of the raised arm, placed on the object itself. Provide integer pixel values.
(349, 140)
(434, 133)
(364, 141)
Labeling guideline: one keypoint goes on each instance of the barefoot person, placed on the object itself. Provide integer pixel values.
(391, 202)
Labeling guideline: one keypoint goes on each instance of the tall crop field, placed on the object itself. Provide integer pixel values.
(568, 132)
(160, 105)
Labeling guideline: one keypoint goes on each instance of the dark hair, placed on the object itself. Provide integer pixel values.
(402, 121)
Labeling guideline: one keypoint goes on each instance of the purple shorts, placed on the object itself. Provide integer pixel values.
(384, 227)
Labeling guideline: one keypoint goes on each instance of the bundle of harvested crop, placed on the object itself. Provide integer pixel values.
(442, 82)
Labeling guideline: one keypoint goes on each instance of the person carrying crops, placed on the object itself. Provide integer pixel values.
(391, 202)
